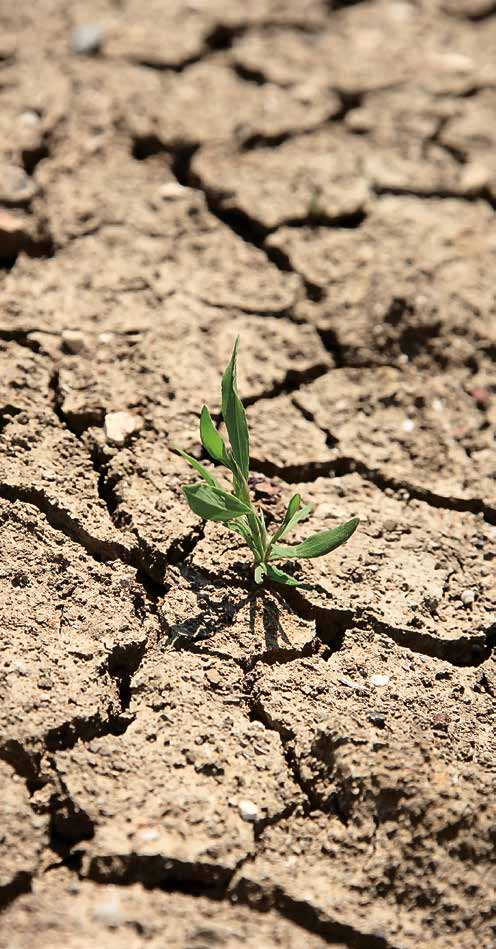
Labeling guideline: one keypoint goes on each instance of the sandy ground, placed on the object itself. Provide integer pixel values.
(298, 769)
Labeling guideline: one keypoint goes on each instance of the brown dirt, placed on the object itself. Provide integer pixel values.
(185, 760)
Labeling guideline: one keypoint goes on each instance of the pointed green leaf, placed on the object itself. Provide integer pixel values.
(291, 518)
(319, 544)
(260, 572)
(235, 417)
(211, 440)
(212, 503)
(210, 478)
(278, 576)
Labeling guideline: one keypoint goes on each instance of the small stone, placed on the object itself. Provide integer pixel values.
(438, 405)
(109, 912)
(87, 39)
(118, 426)
(408, 425)
(172, 189)
(390, 525)
(213, 677)
(378, 680)
(475, 177)
(377, 718)
(468, 597)
(29, 119)
(248, 810)
(16, 187)
(74, 341)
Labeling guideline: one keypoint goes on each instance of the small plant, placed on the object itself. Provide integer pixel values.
(209, 500)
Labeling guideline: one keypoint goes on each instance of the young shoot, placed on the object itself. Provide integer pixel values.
(236, 510)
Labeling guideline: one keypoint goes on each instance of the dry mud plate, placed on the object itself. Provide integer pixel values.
(186, 760)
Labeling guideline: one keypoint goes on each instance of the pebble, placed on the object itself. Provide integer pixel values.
(248, 810)
(214, 678)
(408, 425)
(172, 189)
(109, 912)
(16, 187)
(377, 718)
(87, 38)
(468, 597)
(118, 426)
(29, 118)
(378, 680)
(74, 341)
(475, 177)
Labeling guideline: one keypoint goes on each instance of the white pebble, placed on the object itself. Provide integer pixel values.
(109, 913)
(118, 426)
(172, 189)
(438, 405)
(74, 341)
(408, 425)
(468, 597)
(30, 119)
(87, 38)
(380, 680)
(248, 810)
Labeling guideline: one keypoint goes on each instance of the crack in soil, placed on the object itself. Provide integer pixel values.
(440, 193)
(18, 886)
(346, 464)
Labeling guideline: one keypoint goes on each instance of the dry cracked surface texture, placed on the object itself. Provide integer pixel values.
(186, 759)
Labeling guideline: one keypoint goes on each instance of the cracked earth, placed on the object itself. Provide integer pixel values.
(186, 760)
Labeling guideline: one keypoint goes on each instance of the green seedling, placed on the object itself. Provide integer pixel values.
(209, 500)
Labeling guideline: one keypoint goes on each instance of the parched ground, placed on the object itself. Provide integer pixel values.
(185, 760)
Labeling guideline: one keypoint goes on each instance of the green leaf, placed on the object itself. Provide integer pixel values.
(260, 572)
(291, 518)
(319, 544)
(210, 478)
(213, 504)
(278, 576)
(235, 417)
(211, 440)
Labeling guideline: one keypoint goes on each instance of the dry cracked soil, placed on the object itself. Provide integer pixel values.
(186, 760)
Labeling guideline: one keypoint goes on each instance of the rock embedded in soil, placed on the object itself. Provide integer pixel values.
(163, 798)
(87, 39)
(119, 426)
